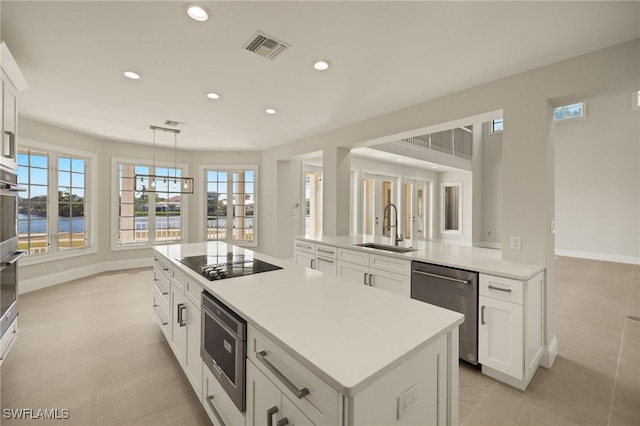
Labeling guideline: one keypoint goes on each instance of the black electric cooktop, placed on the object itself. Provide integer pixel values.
(227, 265)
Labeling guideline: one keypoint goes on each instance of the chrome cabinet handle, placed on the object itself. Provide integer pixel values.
(442, 277)
(326, 260)
(313, 263)
(270, 412)
(9, 344)
(214, 410)
(482, 321)
(325, 251)
(165, 293)
(303, 246)
(370, 280)
(283, 422)
(181, 308)
(299, 393)
(506, 290)
(364, 278)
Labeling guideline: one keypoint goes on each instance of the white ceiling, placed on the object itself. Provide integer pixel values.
(385, 55)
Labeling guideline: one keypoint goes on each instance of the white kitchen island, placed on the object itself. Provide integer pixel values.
(367, 356)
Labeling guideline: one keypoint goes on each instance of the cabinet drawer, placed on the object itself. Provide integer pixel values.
(326, 251)
(320, 405)
(177, 278)
(162, 311)
(217, 403)
(353, 256)
(163, 265)
(304, 246)
(391, 264)
(8, 339)
(500, 288)
(193, 291)
(161, 281)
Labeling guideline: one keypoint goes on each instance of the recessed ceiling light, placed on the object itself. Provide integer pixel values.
(212, 95)
(271, 110)
(132, 75)
(321, 65)
(197, 13)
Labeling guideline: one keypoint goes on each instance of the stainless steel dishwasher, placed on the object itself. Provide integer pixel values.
(453, 289)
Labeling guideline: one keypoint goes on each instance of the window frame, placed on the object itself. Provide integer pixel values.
(230, 168)
(582, 116)
(443, 207)
(115, 194)
(54, 152)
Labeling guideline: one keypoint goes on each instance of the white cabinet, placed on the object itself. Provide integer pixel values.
(8, 339)
(384, 272)
(316, 256)
(418, 391)
(11, 81)
(176, 303)
(269, 406)
(220, 408)
(510, 328)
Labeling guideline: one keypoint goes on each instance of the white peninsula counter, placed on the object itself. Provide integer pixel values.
(369, 356)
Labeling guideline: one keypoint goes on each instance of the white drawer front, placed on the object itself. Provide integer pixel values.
(321, 405)
(177, 278)
(500, 288)
(163, 265)
(326, 251)
(217, 403)
(161, 281)
(162, 311)
(391, 264)
(193, 291)
(304, 246)
(353, 256)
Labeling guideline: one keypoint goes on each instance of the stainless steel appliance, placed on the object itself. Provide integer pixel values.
(9, 253)
(453, 289)
(224, 347)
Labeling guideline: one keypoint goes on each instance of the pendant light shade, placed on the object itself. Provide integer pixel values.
(171, 183)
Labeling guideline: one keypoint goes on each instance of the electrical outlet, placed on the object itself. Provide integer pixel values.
(516, 242)
(406, 401)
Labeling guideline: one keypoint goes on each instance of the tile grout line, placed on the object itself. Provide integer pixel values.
(615, 380)
(478, 405)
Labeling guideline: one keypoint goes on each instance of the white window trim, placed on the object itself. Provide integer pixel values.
(306, 168)
(115, 191)
(564, 120)
(442, 209)
(91, 200)
(201, 187)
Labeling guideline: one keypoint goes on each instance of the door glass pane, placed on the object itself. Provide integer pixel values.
(368, 206)
(313, 203)
(386, 188)
(408, 210)
(217, 205)
(421, 208)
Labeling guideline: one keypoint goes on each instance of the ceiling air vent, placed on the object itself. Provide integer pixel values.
(265, 45)
(172, 123)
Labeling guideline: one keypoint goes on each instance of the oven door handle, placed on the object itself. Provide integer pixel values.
(299, 393)
(12, 258)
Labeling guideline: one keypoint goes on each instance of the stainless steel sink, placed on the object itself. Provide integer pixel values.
(386, 247)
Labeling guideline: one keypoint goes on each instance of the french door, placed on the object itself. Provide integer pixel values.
(378, 191)
(416, 209)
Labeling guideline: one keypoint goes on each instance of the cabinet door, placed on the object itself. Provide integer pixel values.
(217, 404)
(500, 336)
(178, 324)
(304, 258)
(264, 399)
(390, 281)
(193, 360)
(294, 416)
(327, 265)
(10, 119)
(353, 272)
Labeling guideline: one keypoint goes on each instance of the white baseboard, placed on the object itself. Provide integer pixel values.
(26, 286)
(633, 260)
(549, 354)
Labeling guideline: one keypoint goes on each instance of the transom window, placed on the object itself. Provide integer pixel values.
(497, 125)
(570, 112)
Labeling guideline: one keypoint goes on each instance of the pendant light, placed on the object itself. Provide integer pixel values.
(171, 183)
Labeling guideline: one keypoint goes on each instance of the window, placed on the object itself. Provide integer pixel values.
(52, 213)
(452, 208)
(231, 204)
(570, 112)
(145, 217)
(496, 125)
(635, 100)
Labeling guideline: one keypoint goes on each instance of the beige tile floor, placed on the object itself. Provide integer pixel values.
(91, 346)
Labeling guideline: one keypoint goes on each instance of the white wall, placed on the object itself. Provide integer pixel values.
(491, 221)
(598, 179)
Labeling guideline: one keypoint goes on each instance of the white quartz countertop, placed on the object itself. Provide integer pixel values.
(483, 260)
(346, 333)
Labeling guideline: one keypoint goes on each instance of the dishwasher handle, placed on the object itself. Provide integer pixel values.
(444, 277)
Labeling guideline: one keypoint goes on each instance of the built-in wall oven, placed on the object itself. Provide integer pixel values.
(9, 253)
(224, 347)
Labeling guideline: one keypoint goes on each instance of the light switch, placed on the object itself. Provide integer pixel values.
(407, 400)
(516, 242)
